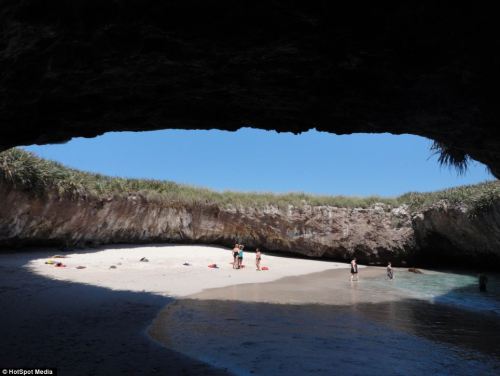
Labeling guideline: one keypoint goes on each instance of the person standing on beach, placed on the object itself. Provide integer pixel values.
(236, 249)
(390, 275)
(240, 256)
(258, 257)
(354, 269)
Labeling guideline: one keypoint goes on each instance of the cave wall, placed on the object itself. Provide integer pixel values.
(442, 235)
(461, 236)
(85, 67)
(373, 234)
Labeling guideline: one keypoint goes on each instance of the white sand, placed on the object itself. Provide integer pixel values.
(165, 275)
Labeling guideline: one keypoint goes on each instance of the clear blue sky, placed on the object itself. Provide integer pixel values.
(255, 160)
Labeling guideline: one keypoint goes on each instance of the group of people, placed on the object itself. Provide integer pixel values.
(238, 262)
(238, 257)
(354, 270)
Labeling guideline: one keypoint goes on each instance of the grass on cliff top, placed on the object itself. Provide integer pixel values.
(25, 171)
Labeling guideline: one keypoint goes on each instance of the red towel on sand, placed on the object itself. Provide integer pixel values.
(264, 268)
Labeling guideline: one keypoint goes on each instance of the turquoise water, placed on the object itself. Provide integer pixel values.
(459, 290)
(435, 323)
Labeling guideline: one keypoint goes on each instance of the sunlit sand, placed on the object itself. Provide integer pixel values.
(120, 268)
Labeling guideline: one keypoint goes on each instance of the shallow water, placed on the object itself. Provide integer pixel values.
(459, 290)
(415, 324)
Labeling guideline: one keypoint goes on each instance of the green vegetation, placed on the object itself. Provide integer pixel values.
(27, 172)
(476, 197)
(451, 156)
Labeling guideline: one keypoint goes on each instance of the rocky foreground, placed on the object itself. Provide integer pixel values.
(442, 232)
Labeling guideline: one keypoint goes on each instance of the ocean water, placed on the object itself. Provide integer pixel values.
(458, 290)
(436, 323)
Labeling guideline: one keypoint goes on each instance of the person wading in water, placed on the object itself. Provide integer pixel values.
(354, 269)
(390, 275)
(483, 280)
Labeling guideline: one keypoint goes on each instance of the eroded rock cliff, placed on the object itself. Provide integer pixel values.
(374, 234)
(456, 234)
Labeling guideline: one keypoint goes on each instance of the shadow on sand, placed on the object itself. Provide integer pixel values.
(89, 330)
(80, 329)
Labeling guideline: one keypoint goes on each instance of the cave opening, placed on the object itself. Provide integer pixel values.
(373, 196)
(113, 245)
(252, 160)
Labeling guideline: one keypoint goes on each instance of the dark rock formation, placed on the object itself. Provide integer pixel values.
(374, 235)
(462, 237)
(85, 67)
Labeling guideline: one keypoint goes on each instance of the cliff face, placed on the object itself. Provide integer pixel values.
(375, 234)
(85, 67)
(461, 236)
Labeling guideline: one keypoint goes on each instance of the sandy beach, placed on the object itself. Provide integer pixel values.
(119, 315)
(94, 321)
(164, 274)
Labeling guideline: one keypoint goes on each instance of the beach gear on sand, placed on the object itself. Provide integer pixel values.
(50, 262)
(415, 270)
(144, 259)
(59, 265)
(213, 266)
(80, 267)
(112, 267)
(59, 256)
(264, 268)
(186, 264)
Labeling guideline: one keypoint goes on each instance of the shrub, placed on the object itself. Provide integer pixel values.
(25, 171)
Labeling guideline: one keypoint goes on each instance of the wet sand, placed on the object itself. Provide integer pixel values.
(96, 321)
(306, 289)
(323, 324)
(297, 290)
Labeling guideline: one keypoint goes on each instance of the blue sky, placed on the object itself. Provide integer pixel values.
(256, 160)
